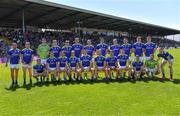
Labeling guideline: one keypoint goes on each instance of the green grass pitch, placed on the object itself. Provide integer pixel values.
(143, 97)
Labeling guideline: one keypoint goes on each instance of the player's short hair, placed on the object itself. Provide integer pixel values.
(26, 42)
(14, 42)
(54, 40)
(38, 59)
(126, 38)
(72, 51)
(44, 38)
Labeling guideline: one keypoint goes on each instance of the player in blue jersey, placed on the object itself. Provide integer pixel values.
(139, 48)
(63, 65)
(127, 47)
(138, 67)
(39, 70)
(112, 65)
(115, 47)
(14, 57)
(27, 55)
(55, 48)
(67, 49)
(86, 65)
(167, 58)
(89, 48)
(150, 48)
(77, 47)
(51, 67)
(73, 63)
(124, 64)
(100, 64)
(102, 46)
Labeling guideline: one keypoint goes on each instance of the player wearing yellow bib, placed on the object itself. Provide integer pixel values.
(43, 51)
(152, 66)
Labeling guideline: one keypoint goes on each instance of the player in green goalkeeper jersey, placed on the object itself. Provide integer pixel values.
(152, 66)
(43, 51)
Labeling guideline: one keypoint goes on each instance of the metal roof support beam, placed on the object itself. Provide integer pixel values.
(83, 19)
(109, 24)
(68, 15)
(71, 23)
(93, 23)
(41, 15)
(15, 11)
(123, 25)
(104, 25)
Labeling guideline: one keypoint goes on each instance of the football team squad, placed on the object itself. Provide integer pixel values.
(78, 62)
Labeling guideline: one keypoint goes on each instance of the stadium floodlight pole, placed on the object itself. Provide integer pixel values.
(23, 24)
(79, 26)
(78, 22)
(130, 33)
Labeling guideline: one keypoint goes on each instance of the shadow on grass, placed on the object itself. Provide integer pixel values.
(88, 81)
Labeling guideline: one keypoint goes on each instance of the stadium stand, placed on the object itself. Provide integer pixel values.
(11, 35)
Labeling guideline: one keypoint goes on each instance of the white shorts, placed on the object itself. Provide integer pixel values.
(93, 59)
(130, 58)
(62, 68)
(123, 67)
(137, 72)
(147, 57)
(14, 66)
(112, 67)
(73, 68)
(43, 61)
(100, 68)
(86, 68)
(52, 69)
(26, 66)
(141, 58)
(172, 60)
(154, 70)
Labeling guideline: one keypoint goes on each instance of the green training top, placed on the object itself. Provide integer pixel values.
(43, 51)
(151, 63)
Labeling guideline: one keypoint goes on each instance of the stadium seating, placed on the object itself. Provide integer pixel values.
(16, 35)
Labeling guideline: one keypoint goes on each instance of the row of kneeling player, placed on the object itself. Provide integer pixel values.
(112, 67)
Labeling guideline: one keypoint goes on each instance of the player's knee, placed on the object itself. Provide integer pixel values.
(162, 65)
(170, 66)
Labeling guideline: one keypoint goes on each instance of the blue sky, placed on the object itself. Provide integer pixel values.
(161, 12)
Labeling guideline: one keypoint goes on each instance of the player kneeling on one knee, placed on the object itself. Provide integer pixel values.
(100, 64)
(86, 65)
(123, 64)
(137, 68)
(112, 65)
(62, 65)
(152, 66)
(166, 58)
(73, 64)
(51, 66)
(39, 70)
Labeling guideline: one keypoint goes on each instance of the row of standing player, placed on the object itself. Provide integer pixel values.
(43, 50)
